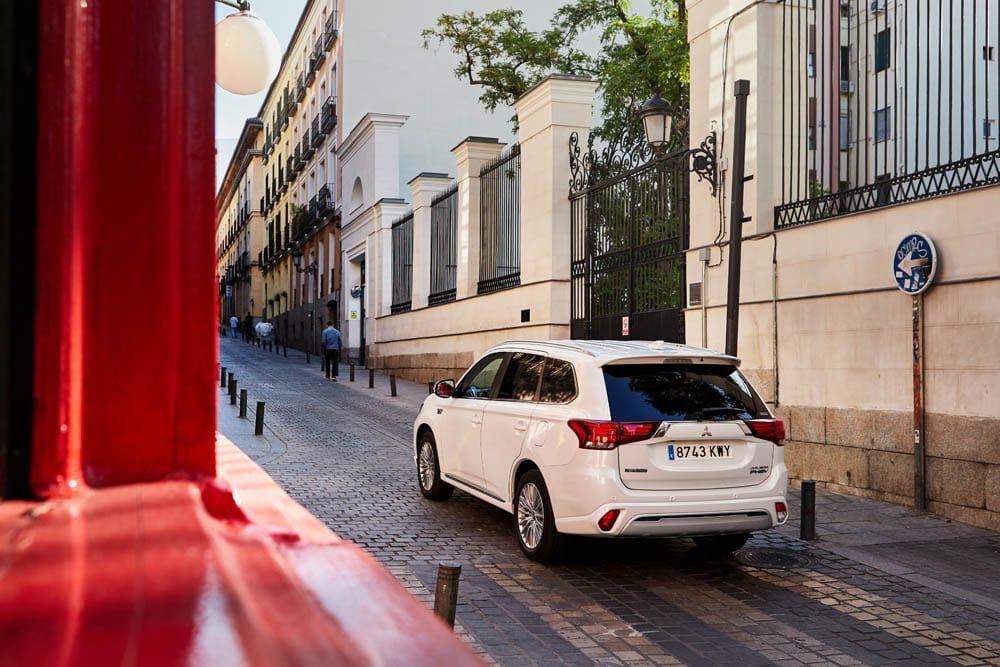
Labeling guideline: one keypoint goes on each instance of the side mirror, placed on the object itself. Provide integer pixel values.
(444, 388)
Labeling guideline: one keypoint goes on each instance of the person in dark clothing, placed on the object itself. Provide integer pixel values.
(331, 351)
(248, 328)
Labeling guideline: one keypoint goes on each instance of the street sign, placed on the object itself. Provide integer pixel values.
(625, 325)
(914, 263)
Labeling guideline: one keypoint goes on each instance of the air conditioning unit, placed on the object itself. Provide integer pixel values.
(877, 6)
(847, 87)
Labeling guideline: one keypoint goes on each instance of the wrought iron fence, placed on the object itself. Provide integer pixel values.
(885, 102)
(500, 220)
(628, 232)
(444, 265)
(402, 264)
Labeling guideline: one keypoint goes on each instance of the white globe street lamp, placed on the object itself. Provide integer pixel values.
(247, 54)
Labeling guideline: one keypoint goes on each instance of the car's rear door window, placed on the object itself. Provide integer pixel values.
(520, 380)
(558, 383)
(478, 381)
(680, 392)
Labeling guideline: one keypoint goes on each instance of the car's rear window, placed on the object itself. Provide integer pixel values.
(680, 392)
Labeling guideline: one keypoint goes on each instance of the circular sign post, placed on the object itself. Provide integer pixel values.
(914, 265)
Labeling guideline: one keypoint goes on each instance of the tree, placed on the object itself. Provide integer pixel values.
(638, 55)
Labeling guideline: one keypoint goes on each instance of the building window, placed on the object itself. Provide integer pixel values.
(883, 124)
(988, 133)
(845, 63)
(987, 53)
(882, 46)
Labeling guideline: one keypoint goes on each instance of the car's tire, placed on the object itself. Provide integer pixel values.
(721, 545)
(533, 521)
(429, 470)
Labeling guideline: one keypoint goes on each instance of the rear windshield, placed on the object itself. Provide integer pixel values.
(680, 392)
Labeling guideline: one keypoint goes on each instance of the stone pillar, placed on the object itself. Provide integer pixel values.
(425, 187)
(379, 270)
(548, 114)
(470, 156)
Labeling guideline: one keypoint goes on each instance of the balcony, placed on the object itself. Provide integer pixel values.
(317, 135)
(330, 34)
(310, 72)
(307, 146)
(328, 115)
(324, 200)
(300, 90)
(319, 52)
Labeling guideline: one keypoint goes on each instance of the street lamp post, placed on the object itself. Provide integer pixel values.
(313, 268)
(247, 54)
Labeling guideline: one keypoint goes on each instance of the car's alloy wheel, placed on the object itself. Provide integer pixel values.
(536, 528)
(429, 472)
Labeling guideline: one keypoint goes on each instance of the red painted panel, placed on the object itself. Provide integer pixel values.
(126, 346)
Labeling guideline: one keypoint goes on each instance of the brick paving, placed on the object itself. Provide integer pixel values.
(882, 584)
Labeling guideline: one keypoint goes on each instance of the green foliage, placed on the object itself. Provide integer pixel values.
(638, 55)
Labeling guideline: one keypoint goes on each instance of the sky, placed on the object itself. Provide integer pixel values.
(231, 111)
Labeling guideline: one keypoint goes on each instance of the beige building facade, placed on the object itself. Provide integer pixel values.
(824, 330)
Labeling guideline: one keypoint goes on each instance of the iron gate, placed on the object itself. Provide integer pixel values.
(629, 231)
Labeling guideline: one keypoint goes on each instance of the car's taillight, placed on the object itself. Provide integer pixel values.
(781, 510)
(768, 429)
(608, 435)
(607, 522)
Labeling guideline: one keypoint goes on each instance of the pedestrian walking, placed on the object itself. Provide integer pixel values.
(265, 332)
(248, 327)
(331, 351)
(234, 322)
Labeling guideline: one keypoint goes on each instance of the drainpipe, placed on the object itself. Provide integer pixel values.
(704, 255)
(736, 218)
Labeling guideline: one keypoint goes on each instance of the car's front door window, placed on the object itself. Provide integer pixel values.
(478, 382)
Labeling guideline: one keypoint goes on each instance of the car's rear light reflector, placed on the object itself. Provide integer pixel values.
(607, 522)
(768, 429)
(608, 435)
(781, 510)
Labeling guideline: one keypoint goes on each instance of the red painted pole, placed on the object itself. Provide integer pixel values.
(125, 266)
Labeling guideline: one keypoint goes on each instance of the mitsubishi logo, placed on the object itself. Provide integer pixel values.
(707, 433)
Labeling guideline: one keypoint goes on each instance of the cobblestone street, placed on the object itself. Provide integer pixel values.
(882, 584)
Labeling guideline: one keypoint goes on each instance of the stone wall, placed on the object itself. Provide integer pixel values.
(870, 453)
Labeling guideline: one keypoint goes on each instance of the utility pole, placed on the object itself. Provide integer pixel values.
(736, 218)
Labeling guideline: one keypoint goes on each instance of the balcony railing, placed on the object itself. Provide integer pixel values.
(300, 89)
(307, 147)
(319, 52)
(324, 197)
(317, 135)
(310, 72)
(328, 115)
(330, 34)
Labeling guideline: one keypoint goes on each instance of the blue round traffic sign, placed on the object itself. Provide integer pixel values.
(914, 263)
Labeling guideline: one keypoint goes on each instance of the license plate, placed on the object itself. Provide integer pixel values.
(677, 452)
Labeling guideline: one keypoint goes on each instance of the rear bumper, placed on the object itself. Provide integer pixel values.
(690, 512)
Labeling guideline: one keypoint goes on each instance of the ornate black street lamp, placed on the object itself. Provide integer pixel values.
(657, 122)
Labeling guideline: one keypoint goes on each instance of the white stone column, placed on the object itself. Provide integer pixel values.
(470, 156)
(425, 187)
(379, 270)
(548, 114)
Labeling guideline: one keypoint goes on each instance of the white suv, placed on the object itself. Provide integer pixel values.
(607, 438)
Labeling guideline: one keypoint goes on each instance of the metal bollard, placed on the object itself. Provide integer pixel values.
(352, 372)
(232, 392)
(286, 351)
(392, 385)
(430, 387)
(243, 403)
(307, 357)
(258, 428)
(229, 381)
(222, 377)
(371, 378)
(446, 595)
(807, 526)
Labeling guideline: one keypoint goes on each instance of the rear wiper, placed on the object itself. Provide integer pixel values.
(715, 412)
